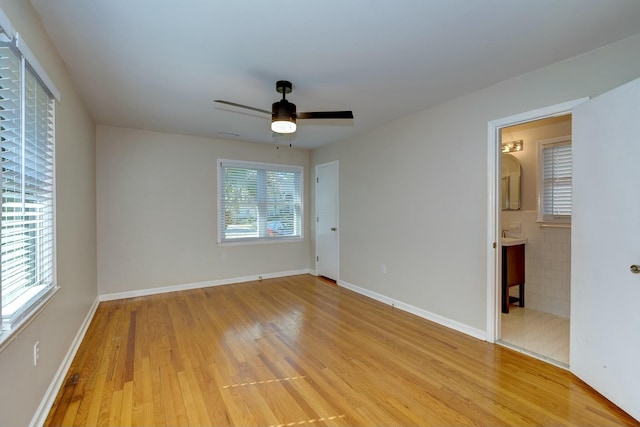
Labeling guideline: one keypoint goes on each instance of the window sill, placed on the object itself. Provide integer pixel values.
(261, 241)
(554, 224)
(7, 337)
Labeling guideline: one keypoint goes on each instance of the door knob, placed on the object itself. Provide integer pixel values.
(333, 229)
(635, 268)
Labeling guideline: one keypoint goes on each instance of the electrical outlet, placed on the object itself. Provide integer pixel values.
(36, 353)
(383, 268)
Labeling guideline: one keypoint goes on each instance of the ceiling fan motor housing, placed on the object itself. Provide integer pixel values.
(283, 111)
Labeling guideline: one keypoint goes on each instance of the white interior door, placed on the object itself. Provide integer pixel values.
(605, 319)
(327, 231)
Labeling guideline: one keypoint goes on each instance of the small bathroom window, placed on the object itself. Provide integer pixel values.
(555, 181)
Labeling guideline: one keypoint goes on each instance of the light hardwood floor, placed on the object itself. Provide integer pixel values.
(302, 351)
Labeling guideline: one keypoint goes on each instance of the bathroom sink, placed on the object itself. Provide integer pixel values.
(512, 241)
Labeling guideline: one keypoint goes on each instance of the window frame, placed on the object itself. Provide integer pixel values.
(550, 219)
(33, 77)
(265, 239)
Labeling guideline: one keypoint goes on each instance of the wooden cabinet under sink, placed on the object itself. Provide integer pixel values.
(512, 275)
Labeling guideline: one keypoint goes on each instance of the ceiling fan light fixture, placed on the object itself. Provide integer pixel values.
(283, 117)
(283, 112)
(282, 125)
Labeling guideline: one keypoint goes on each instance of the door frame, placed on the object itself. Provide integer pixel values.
(494, 262)
(337, 165)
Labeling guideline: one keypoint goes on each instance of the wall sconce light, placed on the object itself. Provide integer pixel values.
(511, 146)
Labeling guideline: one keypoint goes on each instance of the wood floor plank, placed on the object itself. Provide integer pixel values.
(126, 413)
(116, 409)
(298, 351)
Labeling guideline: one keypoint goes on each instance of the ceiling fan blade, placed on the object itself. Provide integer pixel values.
(326, 115)
(233, 104)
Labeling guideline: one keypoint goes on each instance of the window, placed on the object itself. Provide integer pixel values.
(554, 180)
(27, 223)
(259, 201)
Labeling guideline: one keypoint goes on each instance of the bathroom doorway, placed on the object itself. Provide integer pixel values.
(536, 322)
(544, 316)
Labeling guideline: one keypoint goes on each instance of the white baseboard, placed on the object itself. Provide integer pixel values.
(436, 318)
(196, 285)
(50, 395)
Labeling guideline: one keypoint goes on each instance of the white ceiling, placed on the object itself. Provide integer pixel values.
(159, 64)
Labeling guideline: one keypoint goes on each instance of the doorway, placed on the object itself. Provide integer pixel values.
(541, 326)
(543, 320)
(327, 218)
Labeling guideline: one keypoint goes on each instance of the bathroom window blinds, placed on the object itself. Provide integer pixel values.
(555, 182)
(27, 223)
(259, 202)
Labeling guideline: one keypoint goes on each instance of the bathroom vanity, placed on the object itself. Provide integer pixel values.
(512, 271)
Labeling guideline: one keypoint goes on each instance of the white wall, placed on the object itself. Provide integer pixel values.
(22, 386)
(414, 193)
(157, 212)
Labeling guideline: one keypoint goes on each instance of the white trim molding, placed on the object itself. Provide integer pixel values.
(197, 285)
(436, 318)
(50, 395)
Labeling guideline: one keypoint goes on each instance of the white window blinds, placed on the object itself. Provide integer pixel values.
(27, 224)
(555, 181)
(259, 201)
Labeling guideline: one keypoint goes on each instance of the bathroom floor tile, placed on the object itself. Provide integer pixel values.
(538, 332)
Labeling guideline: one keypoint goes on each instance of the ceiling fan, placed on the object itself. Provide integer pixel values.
(283, 113)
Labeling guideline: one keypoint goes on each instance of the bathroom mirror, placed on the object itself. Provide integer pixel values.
(511, 171)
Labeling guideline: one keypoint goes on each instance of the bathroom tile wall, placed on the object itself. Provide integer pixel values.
(547, 262)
